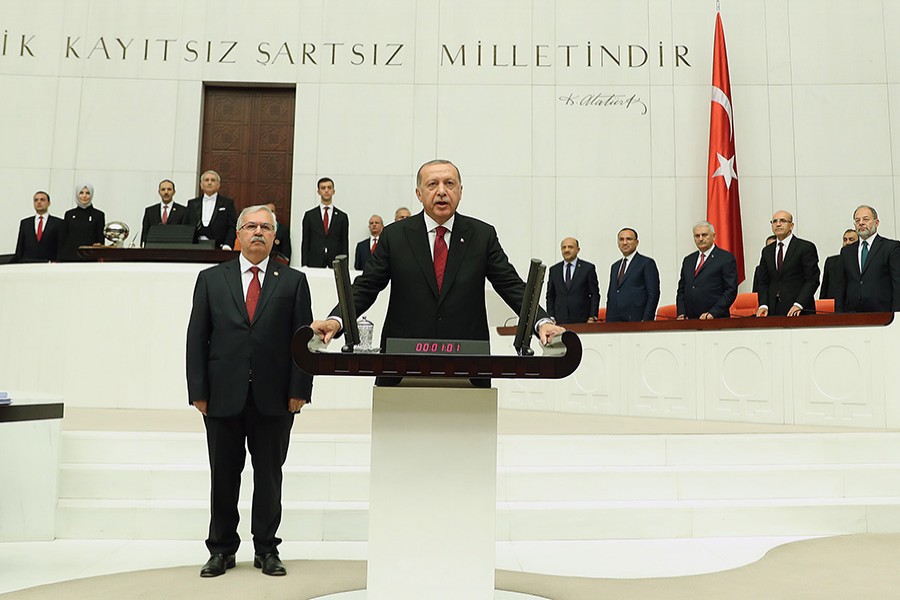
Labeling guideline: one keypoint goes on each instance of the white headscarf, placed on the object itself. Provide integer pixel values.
(78, 189)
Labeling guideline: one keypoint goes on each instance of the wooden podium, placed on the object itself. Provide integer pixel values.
(433, 474)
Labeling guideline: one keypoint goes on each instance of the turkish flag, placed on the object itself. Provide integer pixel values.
(723, 205)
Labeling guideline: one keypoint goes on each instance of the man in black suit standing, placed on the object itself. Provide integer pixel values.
(633, 283)
(213, 215)
(366, 247)
(241, 376)
(755, 287)
(38, 239)
(326, 229)
(708, 283)
(833, 266)
(165, 212)
(437, 262)
(788, 272)
(573, 293)
(282, 236)
(870, 278)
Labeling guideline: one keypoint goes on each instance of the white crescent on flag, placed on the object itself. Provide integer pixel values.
(719, 97)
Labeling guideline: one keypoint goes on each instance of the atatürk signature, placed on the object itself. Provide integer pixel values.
(601, 100)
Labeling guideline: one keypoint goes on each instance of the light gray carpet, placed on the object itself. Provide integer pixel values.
(846, 567)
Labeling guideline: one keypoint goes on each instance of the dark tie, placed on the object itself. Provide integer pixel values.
(622, 271)
(325, 220)
(253, 293)
(865, 254)
(40, 231)
(568, 274)
(440, 255)
(165, 218)
(700, 264)
(374, 244)
(780, 259)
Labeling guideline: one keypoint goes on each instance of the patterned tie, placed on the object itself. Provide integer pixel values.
(780, 260)
(374, 244)
(865, 254)
(253, 293)
(40, 231)
(165, 218)
(568, 274)
(440, 255)
(700, 264)
(325, 220)
(622, 271)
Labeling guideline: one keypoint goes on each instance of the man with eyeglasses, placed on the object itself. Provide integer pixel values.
(241, 377)
(870, 278)
(788, 272)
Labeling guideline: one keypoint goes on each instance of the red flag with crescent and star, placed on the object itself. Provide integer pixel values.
(723, 205)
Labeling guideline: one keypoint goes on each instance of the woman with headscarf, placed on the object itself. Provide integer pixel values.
(82, 225)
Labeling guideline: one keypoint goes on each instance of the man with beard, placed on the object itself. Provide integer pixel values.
(870, 278)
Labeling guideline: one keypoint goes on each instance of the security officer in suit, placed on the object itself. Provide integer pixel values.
(165, 212)
(38, 239)
(708, 283)
(325, 231)
(870, 278)
(788, 272)
(831, 271)
(366, 247)
(633, 292)
(212, 214)
(282, 236)
(573, 293)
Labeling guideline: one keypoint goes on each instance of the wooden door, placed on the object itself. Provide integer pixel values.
(248, 138)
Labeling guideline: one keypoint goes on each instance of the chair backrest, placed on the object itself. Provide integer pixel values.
(825, 306)
(667, 312)
(745, 305)
(601, 315)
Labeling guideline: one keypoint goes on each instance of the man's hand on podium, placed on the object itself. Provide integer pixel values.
(326, 329)
(548, 331)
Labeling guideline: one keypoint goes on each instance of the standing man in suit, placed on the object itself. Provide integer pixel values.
(708, 283)
(241, 376)
(870, 278)
(573, 293)
(165, 212)
(633, 283)
(326, 229)
(38, 239)
(402, 213)
(282, 235)
(437, 262)
(788, 272)
(366, 247)
(213, 215)
(833, 266)
(755, 287)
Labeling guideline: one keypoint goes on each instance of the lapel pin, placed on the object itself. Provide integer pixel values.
(276, 273)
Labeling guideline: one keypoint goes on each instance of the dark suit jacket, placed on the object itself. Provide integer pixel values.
(877, 288)
(29, 249)
(282, 243)
(416, 309)
(222, 225)
(797, 281)
(224, 347)
(363, 252)
(318, 249)
(714, 288)
(830, 275)
(152, 216)
(577, 302)
(637, 297)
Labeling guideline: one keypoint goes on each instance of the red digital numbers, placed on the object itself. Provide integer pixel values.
(434, 347)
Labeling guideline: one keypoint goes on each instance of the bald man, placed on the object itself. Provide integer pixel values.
(573, 293)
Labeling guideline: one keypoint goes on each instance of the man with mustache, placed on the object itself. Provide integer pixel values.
(870, 278)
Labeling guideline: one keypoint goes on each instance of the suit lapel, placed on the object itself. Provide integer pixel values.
(233, 281)
(457, 252)
(692, 266)
(273, 273)
(417, 237)
(873, 249)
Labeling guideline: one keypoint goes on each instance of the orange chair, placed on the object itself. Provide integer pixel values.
(667, 312)
(745, 305)
(601, 315)
(825, 306)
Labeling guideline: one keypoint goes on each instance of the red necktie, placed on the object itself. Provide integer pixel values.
(325, 220)
(440, 255)
(374, 244)
(700, 264)
(40, 231)
(622, 271)
(165, 218)
(253, 293)
(780, 260)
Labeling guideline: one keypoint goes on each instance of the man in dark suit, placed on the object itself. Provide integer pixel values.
(788, 272)
(282, 236)
(833, 266)
(241, 376)
(326, 230)
(165, 212)
(708, 283)
(755, 287)
(870, 278)
(366, 247)
(573, 293)
(213, 215)
(633, 283)
(38, 239)
(437, 262)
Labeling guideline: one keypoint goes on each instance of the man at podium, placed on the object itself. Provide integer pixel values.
(437, 262)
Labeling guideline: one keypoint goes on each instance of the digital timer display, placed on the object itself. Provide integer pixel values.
(438, 347)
